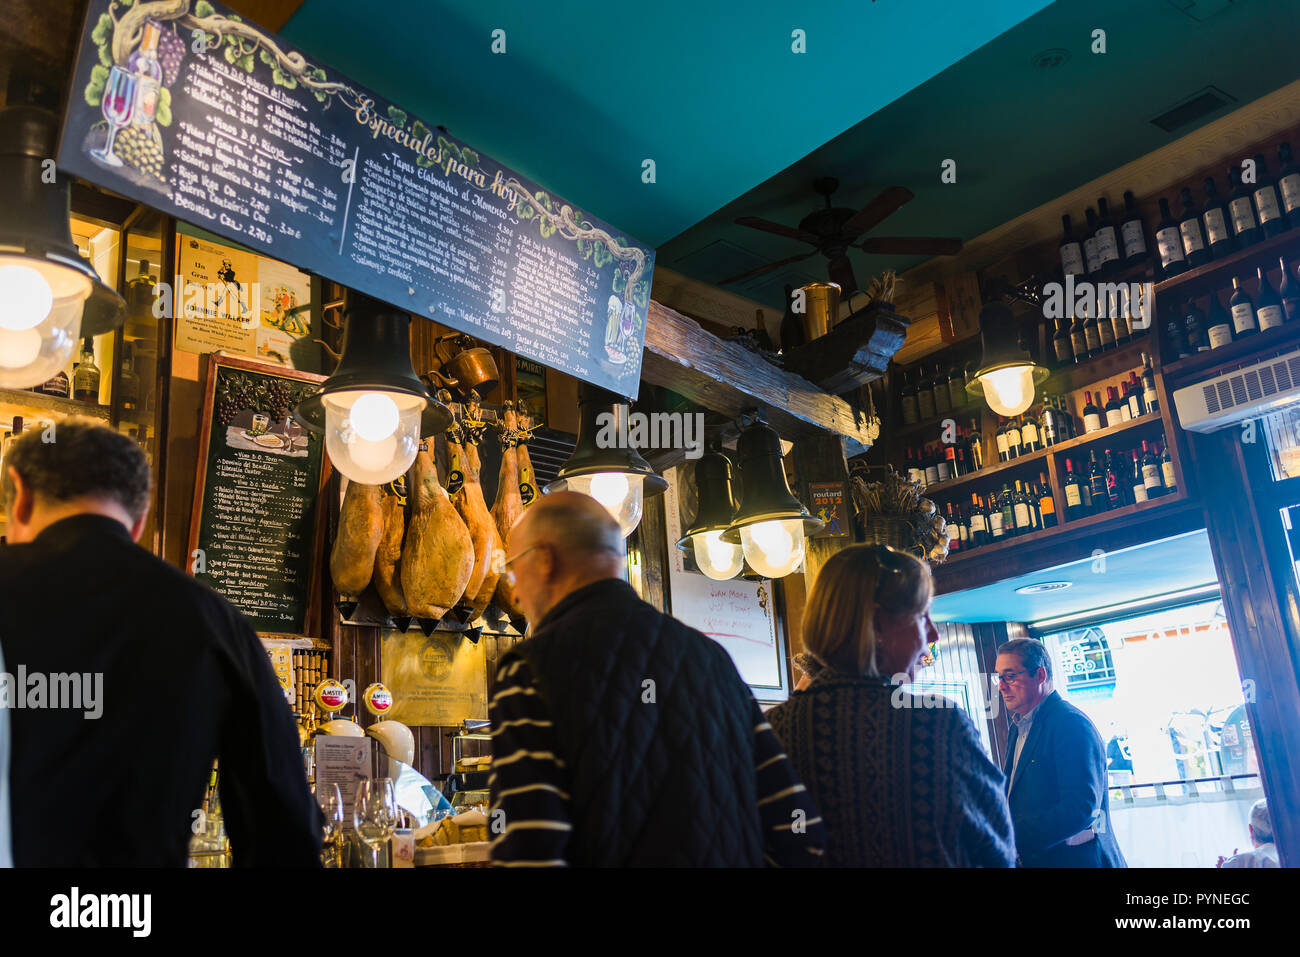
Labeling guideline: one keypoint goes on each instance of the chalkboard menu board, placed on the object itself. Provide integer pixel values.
(190, 109)
(253, 524)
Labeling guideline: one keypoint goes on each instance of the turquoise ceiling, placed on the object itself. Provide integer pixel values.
(710, 91)
(1141, 572)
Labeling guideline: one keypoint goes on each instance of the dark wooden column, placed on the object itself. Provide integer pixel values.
(818, 458)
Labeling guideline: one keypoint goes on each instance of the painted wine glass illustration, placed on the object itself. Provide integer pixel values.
(118, 106)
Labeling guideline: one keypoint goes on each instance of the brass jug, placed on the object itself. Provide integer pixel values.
(472, 368)
(821, 308)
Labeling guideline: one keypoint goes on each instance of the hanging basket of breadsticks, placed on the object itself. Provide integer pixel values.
(894, 511)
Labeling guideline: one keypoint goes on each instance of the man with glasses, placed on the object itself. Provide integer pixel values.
(621, 737)
(1055, 766)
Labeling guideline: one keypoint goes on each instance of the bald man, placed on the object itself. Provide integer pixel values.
(621, 737)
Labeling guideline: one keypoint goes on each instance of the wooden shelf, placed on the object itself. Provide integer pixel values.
(1205, 365)
(1099, 367)
(34, 405)
(972, 409)
(1209, 277)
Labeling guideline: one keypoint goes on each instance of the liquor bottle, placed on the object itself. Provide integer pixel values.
(1115, 497)
(975, 446)
(979, 523)
(1136, 406)
(1140, 310)
(954, 531)
(1169, 243)
(1167, 471)
(85, 380)
(914, 473)
(1071, 252)
(931, 466)
(1107, 242)
(1218, 327)
(1268, 305)
(1139, 489)
(1288, 185)
(1243, 311)
(1014, 440)
(1030, 441)
(128, 383)
(1119, 315)
(1091, 415)
(1061, 343)
(1194, 328)
(1046, 503)
(15, 432)
(1189, 227)
(1289, 290)
(943, 462)
(1078, 339)
(1074, 508)
(956, 387)
(1125, 408)
(1149, 397)
(995, 516)
(1000, 440)
(1091, 335)
(1241, 210)
(907, 400)
(963, 527)
(1091, 258)
(792, 334)
(1214, 216)
(148, 81)
(942, 397)
(1267, 209)
(1008, 511)
(925, 397)
(1113, 409)
(1105, 331)
(1133, 232)
(1151, 479)
(1021, 511)
(1049, 424)
(1176, 342)
(1035, 513)
(1097, 483)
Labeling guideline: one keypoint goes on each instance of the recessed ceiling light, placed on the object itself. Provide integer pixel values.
(1050, 59)
(1039, 587)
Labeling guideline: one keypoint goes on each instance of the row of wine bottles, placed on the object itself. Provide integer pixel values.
(1191, 330)
(1253, 211)
(1085, 336)
(926, 394)
(1106, 480)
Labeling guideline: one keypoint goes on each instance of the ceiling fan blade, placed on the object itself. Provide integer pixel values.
(910, 245)
(841, 271)
(754, 222)
(767, 268)
(883, 206)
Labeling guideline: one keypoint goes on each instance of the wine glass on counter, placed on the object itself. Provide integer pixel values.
(330, 802)
(375, 814)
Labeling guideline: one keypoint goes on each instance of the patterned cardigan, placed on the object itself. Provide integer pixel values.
(897, 786)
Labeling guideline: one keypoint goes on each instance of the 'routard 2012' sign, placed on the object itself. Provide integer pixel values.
(188, 108)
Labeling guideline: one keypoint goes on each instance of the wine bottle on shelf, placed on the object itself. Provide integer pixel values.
(1176, 342)
(993, 516)
(1049, 424)
(1071, 251)
(1151, 478)
(1125, 407)
(1136, 406)
(1105, 330)
(1114, 411)
(907, 401)
(1119, 315)
(956, 386)
(925, 396)
(1214, 216)
(1008, 511)
(1149, 398)
(975, 446)
(979, 525)
(1097, 483)
(1218, 326)
(1289, 290)
(1288, 185)
(1061, 343)
(1000, 440)
(1074, 508)
(1167, 471)
(1268, 304)
(1194, 328)
(1139, 488)
(1107, 241)
(946, 462)
(1046, 503)
(942, 397)
(954, 531)
(1013, 439)
(1169, 243)
(1030, 441)
(912, 470)
(1115, 497)
(1090, 333)
(1133, 232)
(931, 466)
(1091, 258)
(1021, 510)
(1035, 512)
(961, 461)
(1241, 211)
(1243, 311)
(1091, 415)
(1267, 209)
(1078, 339)
(85, 380)
(1189, 227)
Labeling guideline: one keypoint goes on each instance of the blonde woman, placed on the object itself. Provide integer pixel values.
(897, 786)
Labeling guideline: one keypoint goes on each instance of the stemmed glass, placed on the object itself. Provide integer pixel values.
(375, 814)
(118, 105)
(330, 802)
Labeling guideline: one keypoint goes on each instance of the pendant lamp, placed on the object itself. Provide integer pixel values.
(717, 559)
(374, 409)
(1007, 376)
(50, 297)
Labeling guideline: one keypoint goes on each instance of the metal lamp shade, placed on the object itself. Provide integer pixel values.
(765, 495)
(717, 505)
(376, 358)
(589, 458)
(34, 213)
(1000, 347)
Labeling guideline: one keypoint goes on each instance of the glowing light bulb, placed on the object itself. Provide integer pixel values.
(1009, 391)
(375, 416)
(371, 455)
(774, 548)
(717, 559)
(622, 494)
(25, 298)
(609, 489)
(19, 348)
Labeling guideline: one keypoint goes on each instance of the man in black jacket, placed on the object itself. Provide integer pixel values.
(126, 678)
(621, 737)
(1055, 766)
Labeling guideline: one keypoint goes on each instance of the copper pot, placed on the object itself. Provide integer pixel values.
(470, 369)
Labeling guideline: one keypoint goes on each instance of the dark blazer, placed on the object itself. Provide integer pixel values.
(1060, 789)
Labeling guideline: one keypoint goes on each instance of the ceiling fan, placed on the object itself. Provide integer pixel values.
(833, 230)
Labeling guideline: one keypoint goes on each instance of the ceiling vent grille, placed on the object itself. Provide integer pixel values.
(1196, 107)
(1241, 394)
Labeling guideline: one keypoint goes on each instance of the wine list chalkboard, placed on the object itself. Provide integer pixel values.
(253, 522)
(187, 107)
